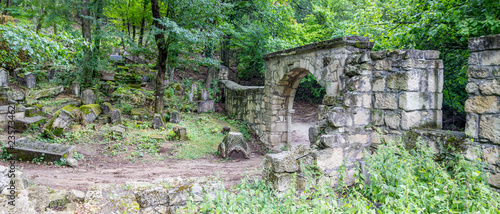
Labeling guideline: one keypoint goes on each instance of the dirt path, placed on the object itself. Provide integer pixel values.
(305, 116)
(84, 176)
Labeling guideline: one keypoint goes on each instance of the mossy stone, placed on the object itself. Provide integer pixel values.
(141, 112)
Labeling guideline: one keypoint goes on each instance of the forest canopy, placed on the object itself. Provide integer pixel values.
(79, 35)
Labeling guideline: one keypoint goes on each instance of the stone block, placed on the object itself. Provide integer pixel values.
(359, 83)
(481, 104)
(494, 180)
(472, 125)
(361, 117)
(206, 106)
(204, 95)
(300, 150)
(392, 119)
(410, 119)
(472, 88)
(337, 117)
(407, 81)
(410, 101)
(76, 196)
(431, 54)
(22, 124)
(376, 55)
(332, 141)
(367, 100)
(490, 42)
(489, 128)
(378, 84)
(491, 154)
(118, 130)
(478, 72)
(377, 117)
(352, 99)
(329, 159)
(280, 181)
(383, 65)
(490, 57)
(89, 97)
(281, 162)
(4, 78)
(386, 101)
(49, 92)
(490, 87)
(90, 112)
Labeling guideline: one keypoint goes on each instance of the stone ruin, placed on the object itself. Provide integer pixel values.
(371, 96)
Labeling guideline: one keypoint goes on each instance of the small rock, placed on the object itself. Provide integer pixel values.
(206, 106)
(58, 199)
(88, 97)
(145, 78)
(90, 112)
(225, 130)
(76, 196)
(71, 162)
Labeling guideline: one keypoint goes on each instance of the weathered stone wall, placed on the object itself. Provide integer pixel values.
(244, 103)
(407, 90)
(483, 105)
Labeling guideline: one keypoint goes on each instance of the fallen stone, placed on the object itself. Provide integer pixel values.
(89, 97)
(118, 130)
(27, 149)
(32, 111)
(280, 181)
(158, 121)
(71, 162)
(106, 108)
(175, 117)
(181, 133)
(4, 78)
(115, 116)
(233, 142)
(281, 162)
(23, 124)
(60, 121)
(206, 106)
(90, 112)
(49, 92)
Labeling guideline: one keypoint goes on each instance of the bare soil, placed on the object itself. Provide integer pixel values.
(306, 116)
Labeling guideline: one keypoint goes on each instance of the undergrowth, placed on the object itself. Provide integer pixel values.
(401, 181)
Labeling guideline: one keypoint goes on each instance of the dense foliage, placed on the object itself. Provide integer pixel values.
(402, 181)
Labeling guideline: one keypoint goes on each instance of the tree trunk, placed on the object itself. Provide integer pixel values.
(224, 50)
(98, 13)
(141, 31)
(55, 28)
(6, 6)
(86, 24)
(133, 33)
(211, 69)
(87, 36)
(162, 57)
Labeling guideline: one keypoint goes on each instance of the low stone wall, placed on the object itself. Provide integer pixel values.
(244, 103)
(483, 105)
